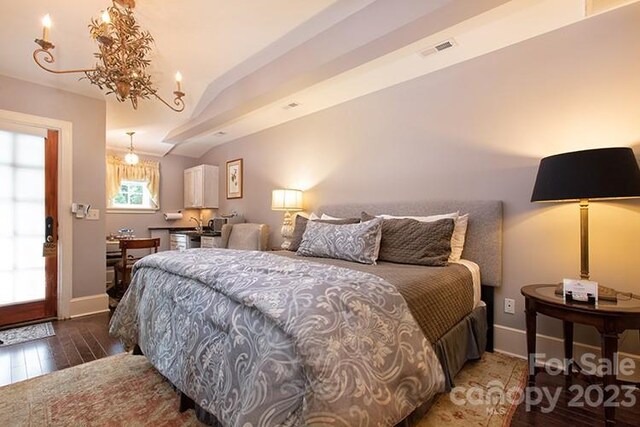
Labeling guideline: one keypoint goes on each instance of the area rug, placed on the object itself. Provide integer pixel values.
(26, 333)
(486, 394)
(125, 390)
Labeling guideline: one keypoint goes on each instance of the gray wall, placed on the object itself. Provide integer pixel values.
(171, 199)
(88, 117)
(477, 131)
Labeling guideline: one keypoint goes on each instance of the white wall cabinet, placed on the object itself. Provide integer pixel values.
(201, 187)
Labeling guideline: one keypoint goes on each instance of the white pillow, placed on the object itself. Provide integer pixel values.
(459, 230)
(431, 218)
(325, 216)
(458, 237)
(313, 217)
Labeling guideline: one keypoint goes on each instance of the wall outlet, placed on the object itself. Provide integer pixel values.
(510, 306)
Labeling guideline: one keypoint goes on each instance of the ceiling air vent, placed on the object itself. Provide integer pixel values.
(447, 44)
(292, 105)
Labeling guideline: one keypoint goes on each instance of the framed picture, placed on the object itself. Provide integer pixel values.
(234, 179)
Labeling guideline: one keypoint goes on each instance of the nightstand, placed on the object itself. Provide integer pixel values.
(609, 318)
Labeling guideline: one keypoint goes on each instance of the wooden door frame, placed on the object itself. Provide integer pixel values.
(65, 197)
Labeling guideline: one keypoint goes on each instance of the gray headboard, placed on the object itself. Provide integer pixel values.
(483, 244)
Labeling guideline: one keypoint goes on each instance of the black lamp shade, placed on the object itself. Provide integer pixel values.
(604, 173)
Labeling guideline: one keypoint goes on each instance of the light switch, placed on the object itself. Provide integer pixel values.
(93, 214)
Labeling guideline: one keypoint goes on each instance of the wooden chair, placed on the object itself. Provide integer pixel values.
(123, 267)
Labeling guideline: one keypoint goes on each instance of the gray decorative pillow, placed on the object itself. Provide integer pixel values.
(350, 242)
(408, 241)
(301, 225)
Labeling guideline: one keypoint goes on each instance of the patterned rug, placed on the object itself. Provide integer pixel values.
(26, 333)
(484, 394)
(125, 390)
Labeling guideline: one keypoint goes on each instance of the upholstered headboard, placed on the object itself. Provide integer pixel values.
(483, 244)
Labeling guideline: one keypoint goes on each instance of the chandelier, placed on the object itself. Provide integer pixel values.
(122, 56)
(131, 158)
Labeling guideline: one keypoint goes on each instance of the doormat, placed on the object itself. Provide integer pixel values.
(26, 333)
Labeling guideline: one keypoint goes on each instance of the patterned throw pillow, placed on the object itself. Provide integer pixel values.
(350, 242)
(408, 241)
(301, 226)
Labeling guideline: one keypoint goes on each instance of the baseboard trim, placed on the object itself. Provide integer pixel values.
(92, 304)
(513, 342)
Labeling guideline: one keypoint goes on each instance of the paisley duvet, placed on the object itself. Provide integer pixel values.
(257, 339)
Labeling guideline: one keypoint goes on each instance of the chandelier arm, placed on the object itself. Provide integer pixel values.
(48, 58)
(177, 101)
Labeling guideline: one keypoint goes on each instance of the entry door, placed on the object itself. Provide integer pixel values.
(28, 218)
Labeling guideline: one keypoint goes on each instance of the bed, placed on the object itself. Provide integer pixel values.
(272, 339)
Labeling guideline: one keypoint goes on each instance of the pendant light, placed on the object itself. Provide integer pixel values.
(131, 158)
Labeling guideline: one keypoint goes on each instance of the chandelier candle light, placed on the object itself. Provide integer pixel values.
(286, 200)
(122, 56)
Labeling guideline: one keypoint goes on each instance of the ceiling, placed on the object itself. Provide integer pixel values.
(244, 62)
(203, 39)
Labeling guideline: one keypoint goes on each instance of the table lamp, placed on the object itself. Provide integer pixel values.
(286, 200)
(582, 176)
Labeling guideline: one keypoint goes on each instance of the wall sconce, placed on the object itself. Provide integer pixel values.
(286, 200)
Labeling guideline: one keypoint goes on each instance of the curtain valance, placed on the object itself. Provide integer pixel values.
(146, 170)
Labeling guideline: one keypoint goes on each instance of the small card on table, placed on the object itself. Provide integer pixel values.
(580, 290)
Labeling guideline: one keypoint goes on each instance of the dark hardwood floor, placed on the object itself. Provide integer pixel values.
(76, 341)
(563, 415)
(85, 339)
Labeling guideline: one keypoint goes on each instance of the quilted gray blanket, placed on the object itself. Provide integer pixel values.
(257, 339)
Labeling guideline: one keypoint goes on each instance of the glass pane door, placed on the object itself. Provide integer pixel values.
(22, 209)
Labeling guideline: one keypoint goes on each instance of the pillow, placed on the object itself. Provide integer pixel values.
(453, 215)
(325, 216)
(459, 232)
(301, 225)
(409, 241)
(350, 242)
(458, 238)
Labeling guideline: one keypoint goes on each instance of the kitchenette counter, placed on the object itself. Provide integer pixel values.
(171, 228)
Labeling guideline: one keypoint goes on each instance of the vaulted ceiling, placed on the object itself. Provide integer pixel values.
(253, 64)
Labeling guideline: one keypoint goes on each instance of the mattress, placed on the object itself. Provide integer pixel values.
(474, 269)
(438, 297)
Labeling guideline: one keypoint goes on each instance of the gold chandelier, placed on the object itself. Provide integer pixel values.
(122, 56)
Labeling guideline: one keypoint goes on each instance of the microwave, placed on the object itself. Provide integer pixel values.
(217, 222)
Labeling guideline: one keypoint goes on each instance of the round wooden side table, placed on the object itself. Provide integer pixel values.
(609, 318)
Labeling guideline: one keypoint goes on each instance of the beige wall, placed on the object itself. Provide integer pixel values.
(477, 131)
(88, 118)
(171, 199)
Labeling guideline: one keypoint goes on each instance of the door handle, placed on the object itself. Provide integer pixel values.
(48, 229)
(49, 248)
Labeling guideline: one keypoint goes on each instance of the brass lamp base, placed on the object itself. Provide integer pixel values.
(584, 239)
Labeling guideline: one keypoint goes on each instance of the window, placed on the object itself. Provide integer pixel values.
(133, 195)
(22, 209)
(133, 188)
